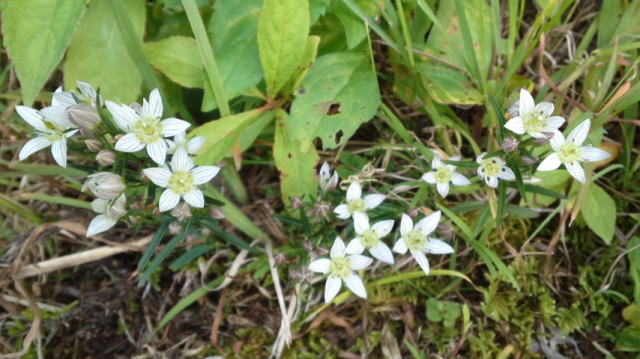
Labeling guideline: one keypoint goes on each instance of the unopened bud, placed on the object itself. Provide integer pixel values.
(544, 140)
(280, 258)
(182, 211)
(514, 109)
(321, 210)
(308, 245)
(510, 144)
(413, 213)
(117, 209)
(175, 228)
(84, 116)
(106, 158)
(529, 160)
(216, 213)
(105, 185)
(297, 203)
(93, 145)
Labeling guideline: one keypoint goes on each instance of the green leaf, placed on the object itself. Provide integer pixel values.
(337, 96)
(36, 33)
(282, 35)
(177, 57)
(56, 199)
(599, 211)
(634, 266)
(297, 169)
(98, 55)
(354, 28)
(23, 211)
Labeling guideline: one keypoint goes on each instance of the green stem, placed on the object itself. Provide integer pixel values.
(405, 33)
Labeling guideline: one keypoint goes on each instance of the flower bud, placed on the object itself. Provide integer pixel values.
(93, 145)
(104, 185)
(182, 211)
(175, 228)
(510, 144)
(106, 158)
(280, 258)
(544, 140)
(84, 116)
(297, 203)
(216, 213)
(514, 109)
(529, 160)
(117, 209)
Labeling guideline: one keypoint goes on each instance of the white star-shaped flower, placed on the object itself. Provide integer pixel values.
(369, 237)
(355, 202)
(493, 168)
(340, 268)
(110, 211)
(146, 129)
(417, 241)
(181, 181)
(192, 146)
(570, 152)
(67, 99)
(444, 174)
(327, 180)
(534, 119)
(52, 128)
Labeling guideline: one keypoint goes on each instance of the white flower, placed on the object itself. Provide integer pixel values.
(355, 202)
(87, 95)
(369, 237)
(180, 141)
(104, 185)
(570, 152)
(340, 268)
(444, 174)
(493, 168)
(110, 211)
(146, 129)
(181, 181)
(52, 128)
(534, 119)
(326, 179)
(417, 241)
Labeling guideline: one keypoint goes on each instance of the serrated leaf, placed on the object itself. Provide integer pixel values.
(178, 58)
(282, 34)
(337, 96)
(297, 169)
(599, 212)
(98, 55)
(36, 34)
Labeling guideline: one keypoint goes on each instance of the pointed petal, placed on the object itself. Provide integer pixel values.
(550, 163)
(360, 222)
(594, 154)
(400, 246)
(406, 224)
(422, 260)
(173, 126)
(526, 103)
(158, 151)
(204, 174)
(195, 144)
(158, 175)
(383, 227)
(129, 143)
(100, 205)
(443, 189)
(359, 261)
(342, 211)
(154, 107)
(181, 161)
(460, 180)
(507, 174)
(429, 177)
(557, 140)
(100, 224)
(354, 191)
(124, 116)
(325, 172)
(382, 253)
(331, 288)
(195, 198)
(372, 201)
(354, 247)
(320, 266)
(545, 107)
(580, 133)
(87, 90)
(62, 99)
(355, 284)
(554, 123)
(337, 249)
(437, 162)
(515, 125)
(438, 246)
(57, 115)
(576, 171)
(168, 200)
(491, 181)
(34, 145)
(429, 223)
(59, 152)
(32, 117)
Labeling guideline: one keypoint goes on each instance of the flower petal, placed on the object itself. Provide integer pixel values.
(406, 224)
(459, 180)
(545, 107)
(158, 175)
(436, 162)
(550, 163)
(154, 107)
(359, 261)
(129, 143)
(491, 181)
(372, 201)
(124, 116)
(32, 117)
(100, 205)
(429, 177)
(554, 123)
(87, 90)
(383, 227)
(59, 152)
(557, 140)
(168, 200)
(526, 103)
(400, 246)
(594, 154)
(173, 126)
(576, 171)
(204, 174)
(515, 125)
(354, 191)
(158, 151)
(321, 265)
(382, 252)
(181, 161)
(342, 211)
(355, 284)
(195, 198)
(337, 249)
(34, 145)
(100, 224)
(360, 222)
(354, 247)
(443, 189)
(195, 144)
(438, 246)
(325, 172)
(580, 133)
(57, 115)
(62, 99)
(429, 223)
(331, 288)
(507, 174)
(422, 260)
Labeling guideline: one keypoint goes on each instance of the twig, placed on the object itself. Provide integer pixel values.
(215, 327)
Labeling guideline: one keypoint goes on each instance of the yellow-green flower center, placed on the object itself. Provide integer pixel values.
(356, 205)
(54, 131)
(444, 174)
(370, 238)
(181, 182)
(415, 240)
(492, 167)
(569, 152)
(340, 267)
(148, 130)
(535, 121)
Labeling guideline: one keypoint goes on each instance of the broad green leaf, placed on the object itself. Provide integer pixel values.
(555, 181)
(317, 8)
(337, 96)
(97, 54)
(233, 29)
(36, 34)
(599, 212)
(282, 35)
(307, 59)
(297, 169)
(354, 28)
(177, 57)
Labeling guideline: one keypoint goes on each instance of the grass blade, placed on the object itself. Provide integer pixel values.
(19, 209)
